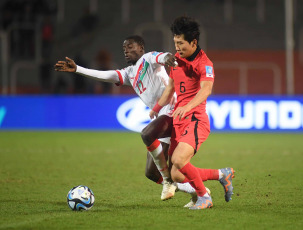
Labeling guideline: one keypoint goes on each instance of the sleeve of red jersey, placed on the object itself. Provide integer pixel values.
(207, 72)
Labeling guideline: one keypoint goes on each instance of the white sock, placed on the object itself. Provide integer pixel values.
(186, 187)
(159, 159)
(220, 174)
(206, 195)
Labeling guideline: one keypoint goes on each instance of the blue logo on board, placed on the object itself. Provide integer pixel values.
(133, 114)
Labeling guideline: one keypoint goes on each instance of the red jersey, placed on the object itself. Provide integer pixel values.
(187, 77)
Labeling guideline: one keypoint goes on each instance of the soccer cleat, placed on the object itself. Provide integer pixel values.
(194, 199)
(168, 190)
(203, 202)
(226, 181)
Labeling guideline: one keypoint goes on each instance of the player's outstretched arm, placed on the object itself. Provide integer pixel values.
(70, 66)
(66, 66)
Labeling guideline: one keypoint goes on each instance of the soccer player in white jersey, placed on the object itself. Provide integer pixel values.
(148, 77)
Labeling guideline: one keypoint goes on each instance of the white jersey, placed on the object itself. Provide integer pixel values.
(148, 78)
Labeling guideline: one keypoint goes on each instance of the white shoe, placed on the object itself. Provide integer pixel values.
(208, 191)
(194, 199)
(168, 190)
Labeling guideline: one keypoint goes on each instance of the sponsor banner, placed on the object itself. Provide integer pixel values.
(256, 113)
(226, 113)
(60, 112)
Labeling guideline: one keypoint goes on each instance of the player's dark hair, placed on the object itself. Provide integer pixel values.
(136, 38)
(186, 26)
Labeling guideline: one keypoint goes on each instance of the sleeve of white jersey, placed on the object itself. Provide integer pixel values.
(123, 76)
(157, 57)
(112, 76)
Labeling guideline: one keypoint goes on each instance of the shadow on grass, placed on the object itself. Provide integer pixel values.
(29, 207)
(36, 206)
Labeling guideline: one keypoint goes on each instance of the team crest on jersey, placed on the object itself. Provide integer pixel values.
(209, 71)
(138, 81)
(142, 70)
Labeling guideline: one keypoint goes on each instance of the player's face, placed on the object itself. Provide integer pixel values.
(132, 51)
(183, 47)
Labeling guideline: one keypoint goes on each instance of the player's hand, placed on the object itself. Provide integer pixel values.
(66, 66)
(180, 112)
(170, 60)
(153, 114)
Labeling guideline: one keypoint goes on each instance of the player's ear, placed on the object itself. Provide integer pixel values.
(194, 42)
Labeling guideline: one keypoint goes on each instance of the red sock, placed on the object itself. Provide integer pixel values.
(208, 174)
(154, 145)
(193, 175)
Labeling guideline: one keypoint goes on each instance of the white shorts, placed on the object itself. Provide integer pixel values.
(167, 110)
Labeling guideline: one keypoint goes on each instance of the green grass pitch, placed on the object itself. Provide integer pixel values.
(37, 170)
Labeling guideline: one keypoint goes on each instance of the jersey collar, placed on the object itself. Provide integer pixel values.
(194, 55)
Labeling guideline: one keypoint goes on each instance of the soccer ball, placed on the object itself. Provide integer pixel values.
(80, 198)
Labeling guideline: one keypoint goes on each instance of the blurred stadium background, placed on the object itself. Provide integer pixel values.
(256, 45)
(257, 50)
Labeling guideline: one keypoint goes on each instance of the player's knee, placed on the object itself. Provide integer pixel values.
(177, 162)
(146, 137)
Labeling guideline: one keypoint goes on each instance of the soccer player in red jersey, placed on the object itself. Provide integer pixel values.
(192, 78)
